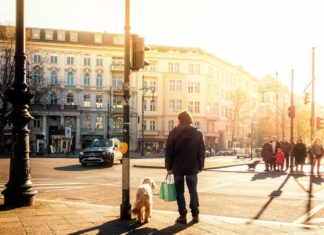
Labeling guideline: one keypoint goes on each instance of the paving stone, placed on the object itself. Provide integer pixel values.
(9, 219)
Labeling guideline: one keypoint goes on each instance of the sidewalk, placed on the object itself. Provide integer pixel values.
(58, 217)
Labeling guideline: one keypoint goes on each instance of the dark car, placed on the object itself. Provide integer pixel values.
(101, 151)
(226, 152)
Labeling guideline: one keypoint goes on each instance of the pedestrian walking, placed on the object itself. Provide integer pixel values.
(300, 153)
(280, 159)
(286, 147)
(185, 157)
(275, 146)
(266, 153)
(317, 152)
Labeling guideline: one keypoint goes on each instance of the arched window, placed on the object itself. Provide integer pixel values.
(37, 76)
(70, 98)
(99, 80)
(86, 79)
(53, 77)
(70, 79)
(53, 98)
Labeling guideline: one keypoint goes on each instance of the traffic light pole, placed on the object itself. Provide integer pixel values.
(125, 207)
(292, 120)
(313, 96)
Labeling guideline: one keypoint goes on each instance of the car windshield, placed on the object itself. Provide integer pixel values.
(102, 143)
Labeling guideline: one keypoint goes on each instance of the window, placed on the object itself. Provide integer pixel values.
(37, 122)
(70, 98)
(144, 125)
(172, 85)
(86, 79)
(178, 105)
(175, 105)
(172, 105)
(117, 122)
(197, 107)
(87, 61)
(151, 67)
(74, 36)
(99, 80)
(86, 100)
(70, 59)
(37, 77)
(117, 82)
(145, 105)
(98, 38)
(36, 33)
(153, 105)
(170, 67)
(53, 98)
(99, 122)
(170, 125)
(98, 101)
(152, 125)
(190, 87)
(48, 34)
(37, 59)
(53, 59)
(179, 85)
(86, 122)
(197, 87)
(197, 124)
(191, 68)
(117, 102)
(173, 67)
(60, 35)
(53, 77)
(99, 61)
(190, 106)
(70, 79)
(197, 68)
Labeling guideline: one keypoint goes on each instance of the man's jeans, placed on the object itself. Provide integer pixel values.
(191, 181)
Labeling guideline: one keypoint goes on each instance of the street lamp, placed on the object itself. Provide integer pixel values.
(144, 90)
(19, 189)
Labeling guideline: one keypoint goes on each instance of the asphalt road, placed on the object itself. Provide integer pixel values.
(231, 191)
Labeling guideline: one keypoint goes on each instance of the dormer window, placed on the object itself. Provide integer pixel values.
(74, 36)
(36, 33)
(98, 38)
(60, 35)
(48, 34)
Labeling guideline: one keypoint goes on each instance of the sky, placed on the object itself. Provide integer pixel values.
(263, 36)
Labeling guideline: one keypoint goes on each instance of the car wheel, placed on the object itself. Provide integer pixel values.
(84, 164)
(111, 162)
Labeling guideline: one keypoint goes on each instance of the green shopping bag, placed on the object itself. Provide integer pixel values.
(167, 190)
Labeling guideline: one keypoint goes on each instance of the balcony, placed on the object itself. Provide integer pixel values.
(117, 67)
(70, 107)
(53, 107)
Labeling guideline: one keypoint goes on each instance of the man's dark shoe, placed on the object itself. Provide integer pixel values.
(182, 220)
(195, 219)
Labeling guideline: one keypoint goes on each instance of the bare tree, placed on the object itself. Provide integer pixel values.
(38, 84)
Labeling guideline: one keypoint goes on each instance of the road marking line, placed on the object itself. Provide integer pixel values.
(302, 219)
(209, 218)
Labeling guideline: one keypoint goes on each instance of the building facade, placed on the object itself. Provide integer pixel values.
(85, 102)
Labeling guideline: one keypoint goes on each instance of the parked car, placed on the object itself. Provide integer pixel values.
(243, 153)
(105, 151)
(257, 152)
(226, 152)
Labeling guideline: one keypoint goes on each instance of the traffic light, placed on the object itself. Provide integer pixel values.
(137, 53)
(307, 98)
(319, 123)
(291, 111)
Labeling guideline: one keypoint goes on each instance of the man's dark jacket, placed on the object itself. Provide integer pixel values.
(185, 151)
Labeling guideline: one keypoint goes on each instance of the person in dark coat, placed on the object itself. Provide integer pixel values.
(317, 153)
(285, 146)
(266, 153)
(185, 157)
(300, 153)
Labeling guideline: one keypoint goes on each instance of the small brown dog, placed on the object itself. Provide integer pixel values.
(144, 200)
(252, 165)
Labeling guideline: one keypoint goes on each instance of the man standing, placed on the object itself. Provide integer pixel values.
(275, 146)
(286, 150)
(185, 157)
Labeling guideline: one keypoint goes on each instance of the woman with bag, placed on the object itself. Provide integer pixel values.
(185, 157)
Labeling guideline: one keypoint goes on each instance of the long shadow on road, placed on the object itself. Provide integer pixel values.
(78, 167)
(118, 226)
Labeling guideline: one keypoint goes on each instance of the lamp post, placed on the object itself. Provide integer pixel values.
(19, 189)
(144, 90)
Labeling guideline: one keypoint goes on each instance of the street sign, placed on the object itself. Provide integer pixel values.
(68, 132)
